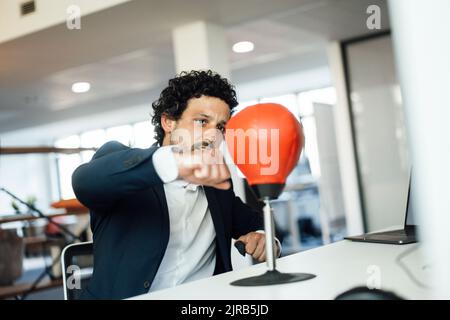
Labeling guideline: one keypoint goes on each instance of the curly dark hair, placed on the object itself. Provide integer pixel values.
(194, 84)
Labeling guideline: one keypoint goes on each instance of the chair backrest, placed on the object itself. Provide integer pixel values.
(77, 262)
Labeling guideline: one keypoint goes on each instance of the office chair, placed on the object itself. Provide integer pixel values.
(77, 262)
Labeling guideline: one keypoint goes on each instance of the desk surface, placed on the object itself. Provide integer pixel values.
(339, 267)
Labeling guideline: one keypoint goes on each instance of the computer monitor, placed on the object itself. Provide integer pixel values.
(401, 236)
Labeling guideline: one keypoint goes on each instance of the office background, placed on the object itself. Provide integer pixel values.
(318, 58)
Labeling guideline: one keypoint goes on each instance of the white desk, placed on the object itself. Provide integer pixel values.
(339, 267)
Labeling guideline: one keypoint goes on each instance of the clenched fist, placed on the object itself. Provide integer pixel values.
(204, 167)
(255, 245)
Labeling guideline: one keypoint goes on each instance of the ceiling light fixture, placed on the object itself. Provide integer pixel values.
(243, 46)
(81, 87)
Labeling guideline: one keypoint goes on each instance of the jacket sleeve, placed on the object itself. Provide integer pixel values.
(245, 219)
(114, 172)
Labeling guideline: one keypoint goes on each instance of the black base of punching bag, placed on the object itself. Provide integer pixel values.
(270, 190)
(271, 278)
(266, 192)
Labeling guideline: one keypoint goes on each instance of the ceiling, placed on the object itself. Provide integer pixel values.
(126, 52)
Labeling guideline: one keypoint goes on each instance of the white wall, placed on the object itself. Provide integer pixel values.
(330, 192)
(344, 138)
(422, 50)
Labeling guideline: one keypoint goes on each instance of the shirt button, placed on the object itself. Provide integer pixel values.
(146, 284)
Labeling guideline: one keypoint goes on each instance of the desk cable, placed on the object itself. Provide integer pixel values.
(405, 268)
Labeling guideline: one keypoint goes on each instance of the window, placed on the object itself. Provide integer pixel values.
(243, 105)
(67, 163)
(143, 134)
(307, 99)
(122, 134)
(288, 100)
(138, 135)
(92, 139)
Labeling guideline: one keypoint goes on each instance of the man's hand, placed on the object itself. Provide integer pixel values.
(204, 167)
(255, 245)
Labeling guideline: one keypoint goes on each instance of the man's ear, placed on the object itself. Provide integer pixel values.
(167, 123)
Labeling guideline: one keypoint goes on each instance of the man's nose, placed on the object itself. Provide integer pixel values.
(212, 135)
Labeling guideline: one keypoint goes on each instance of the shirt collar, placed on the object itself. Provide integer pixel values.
(184, 184)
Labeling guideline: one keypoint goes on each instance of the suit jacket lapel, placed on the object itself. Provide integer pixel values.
(159, 190)
(216, 215)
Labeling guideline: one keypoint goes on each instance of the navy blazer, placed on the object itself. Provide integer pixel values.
(130, 220)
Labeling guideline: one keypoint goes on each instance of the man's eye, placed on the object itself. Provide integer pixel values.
(221, 129)
(201, 121)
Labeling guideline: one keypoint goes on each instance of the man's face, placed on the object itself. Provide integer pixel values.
(202, 122)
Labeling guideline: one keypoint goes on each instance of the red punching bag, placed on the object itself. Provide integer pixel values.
(265, 141)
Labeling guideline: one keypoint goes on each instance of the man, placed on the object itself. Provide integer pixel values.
(166, 215)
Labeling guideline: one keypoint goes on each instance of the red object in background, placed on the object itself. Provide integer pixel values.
(52, 229)
(71, 205)
(268, 116)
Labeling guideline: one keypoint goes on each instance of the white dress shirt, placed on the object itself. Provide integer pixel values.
(191, 250)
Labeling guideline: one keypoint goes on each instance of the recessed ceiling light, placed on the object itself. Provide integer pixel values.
(243, 46)
(81, 87)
